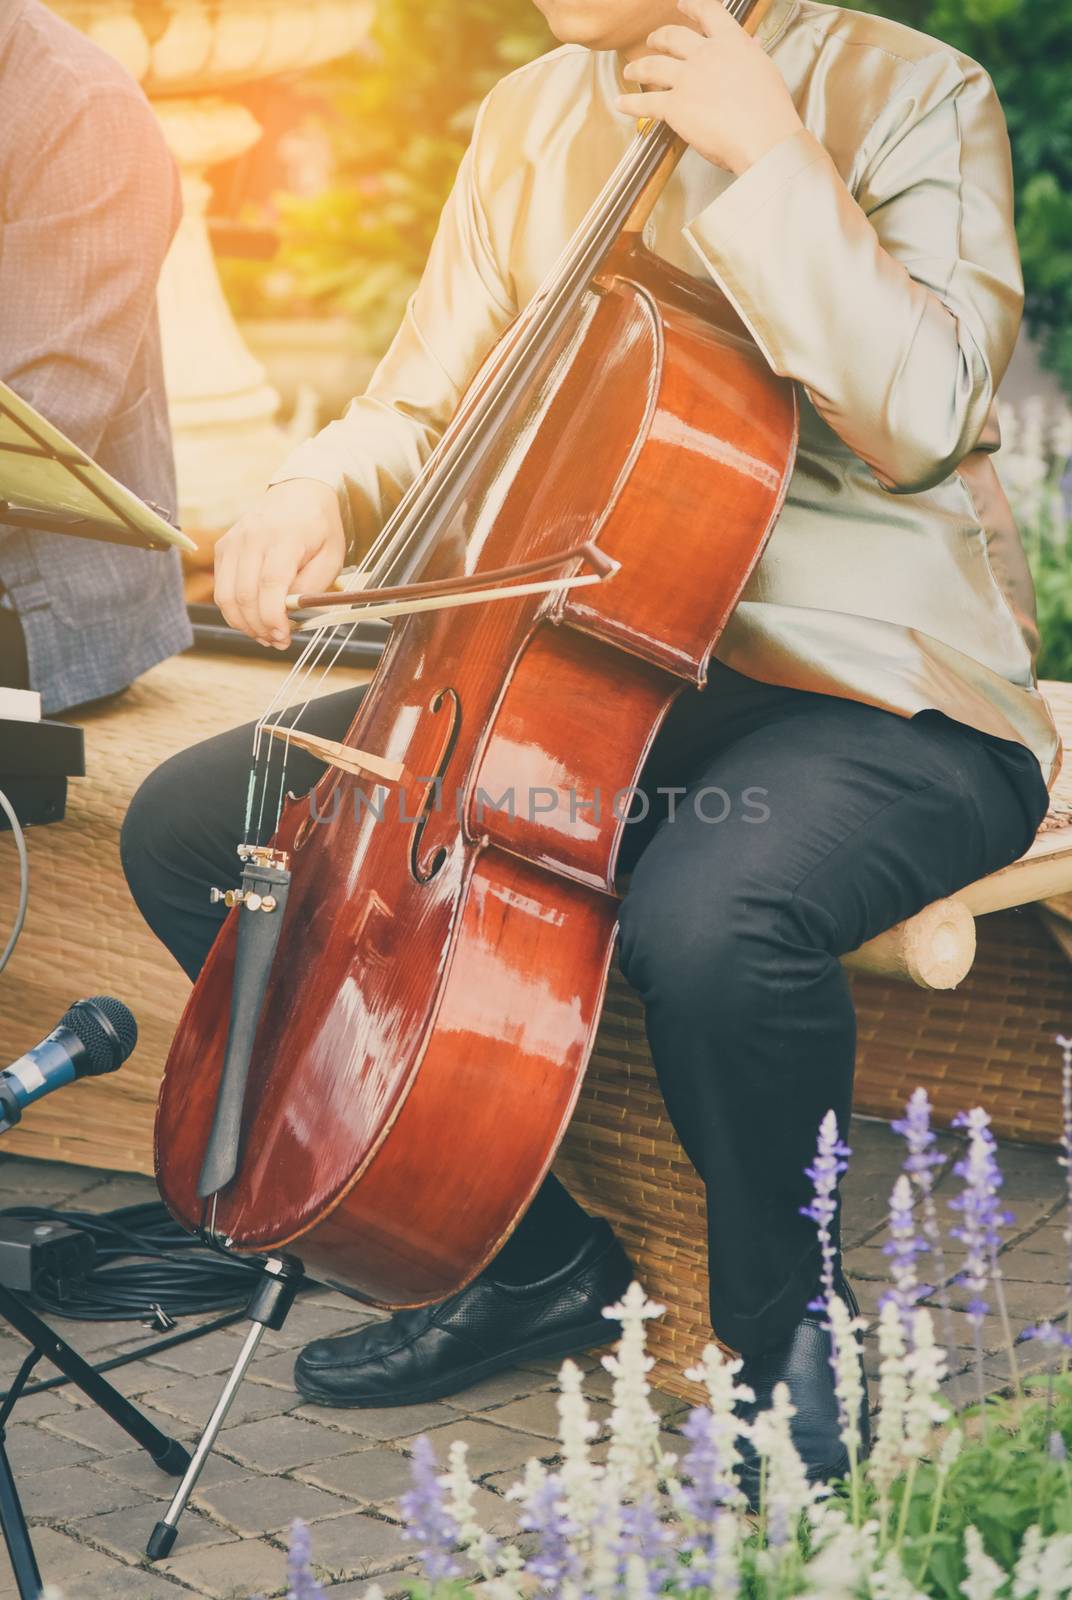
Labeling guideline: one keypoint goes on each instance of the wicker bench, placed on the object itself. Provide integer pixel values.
(988, 1041)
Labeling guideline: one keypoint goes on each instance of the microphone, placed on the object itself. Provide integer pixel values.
(93, 1037)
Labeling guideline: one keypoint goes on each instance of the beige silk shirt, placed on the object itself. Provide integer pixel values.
(873, 257)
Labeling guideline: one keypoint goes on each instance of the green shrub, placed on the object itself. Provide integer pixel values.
(1026, 46)
(400, 116)
(940, 1506)
(1035, 466)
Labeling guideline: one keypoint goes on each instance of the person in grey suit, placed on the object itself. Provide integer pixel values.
(89, 201)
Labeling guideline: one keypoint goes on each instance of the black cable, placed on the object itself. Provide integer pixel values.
(24, 879)
(146, 1267)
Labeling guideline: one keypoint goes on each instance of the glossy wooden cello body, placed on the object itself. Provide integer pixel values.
(444, 948)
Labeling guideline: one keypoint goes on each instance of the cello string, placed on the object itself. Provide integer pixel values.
(608, 199)
(577, 246)
(319, 642)
(393, 538)
(457, 440)
(616, 193)
(302, 669)
(400, 531)
(279, 698)
(400, 528)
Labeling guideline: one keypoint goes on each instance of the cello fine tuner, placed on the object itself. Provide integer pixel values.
(263, 855)
(243, 897)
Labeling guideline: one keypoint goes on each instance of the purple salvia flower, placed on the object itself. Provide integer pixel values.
(555, 1562)
(981, 1217)
(703, 1496)
(923, 1163)
(1050, 1335)
(1056, 1448)
(903, 1248)
(1052, 1338)
(831, 1160)
(924, 1158)
(707, 1490)
(981, 1221)
(428, 1522)
(301, 1581)
(644, 1536)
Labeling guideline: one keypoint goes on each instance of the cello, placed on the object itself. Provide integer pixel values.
(383, 1050)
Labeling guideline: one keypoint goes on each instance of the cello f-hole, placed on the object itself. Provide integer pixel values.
(424, 871)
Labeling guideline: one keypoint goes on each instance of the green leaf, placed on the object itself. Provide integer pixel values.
(946, 1568)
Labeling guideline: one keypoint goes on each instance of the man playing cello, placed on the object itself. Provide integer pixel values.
(872, 716)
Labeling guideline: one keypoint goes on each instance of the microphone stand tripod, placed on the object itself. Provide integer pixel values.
(168, 1454)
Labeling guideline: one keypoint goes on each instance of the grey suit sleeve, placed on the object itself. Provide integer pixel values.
(90, 212)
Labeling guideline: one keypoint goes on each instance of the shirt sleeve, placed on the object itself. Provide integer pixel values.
(896, 299)
(461, 307)
(87, 224)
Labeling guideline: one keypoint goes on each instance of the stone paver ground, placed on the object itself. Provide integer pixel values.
(93, 1498)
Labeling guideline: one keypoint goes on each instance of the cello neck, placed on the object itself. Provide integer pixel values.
(412, 533)
(749, 13)
(637, 219)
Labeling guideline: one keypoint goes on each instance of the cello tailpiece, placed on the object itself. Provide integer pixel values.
(258, 937)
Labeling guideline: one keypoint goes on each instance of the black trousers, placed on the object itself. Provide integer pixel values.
(785, 828)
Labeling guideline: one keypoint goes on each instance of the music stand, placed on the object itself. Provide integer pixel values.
(167, 1453)
(49, 485)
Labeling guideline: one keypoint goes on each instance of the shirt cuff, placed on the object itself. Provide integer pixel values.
(736, 229)
(308, 461)
(756, 187)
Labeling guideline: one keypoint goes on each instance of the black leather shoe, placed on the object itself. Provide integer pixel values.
(422, 1355)
(803, 1362)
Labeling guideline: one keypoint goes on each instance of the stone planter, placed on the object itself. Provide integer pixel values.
(302, 354)
(187, 54)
